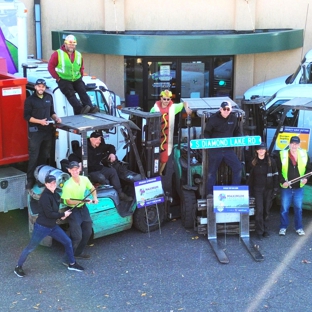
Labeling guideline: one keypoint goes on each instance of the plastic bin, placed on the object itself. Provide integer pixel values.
(12, 189)
(132, 100)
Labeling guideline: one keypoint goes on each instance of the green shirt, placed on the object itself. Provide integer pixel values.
(73, 190)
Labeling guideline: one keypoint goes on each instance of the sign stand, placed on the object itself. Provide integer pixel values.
(146, 215)
(149, 192)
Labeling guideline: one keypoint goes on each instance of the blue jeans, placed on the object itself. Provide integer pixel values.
(291, 196)
(39, 233)
(215, 157)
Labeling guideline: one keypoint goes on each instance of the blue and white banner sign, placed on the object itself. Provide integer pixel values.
(149, 192)
(231, 198)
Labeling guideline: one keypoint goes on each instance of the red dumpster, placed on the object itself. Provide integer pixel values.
(13, 127)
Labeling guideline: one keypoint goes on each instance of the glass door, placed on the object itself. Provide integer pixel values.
(195, 77)
(161, 75)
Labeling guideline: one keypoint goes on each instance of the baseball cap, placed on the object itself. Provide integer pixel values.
(224, 104)
(261, 146)
(49, 178)
(40, 81)
(294, 139)
(73, 164)
(96, 134)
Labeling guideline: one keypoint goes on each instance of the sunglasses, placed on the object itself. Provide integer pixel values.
(166, 99)
(71, 42)
(226, 109)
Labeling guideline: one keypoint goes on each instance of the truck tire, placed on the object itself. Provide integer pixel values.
(139, 218)
(187, 204)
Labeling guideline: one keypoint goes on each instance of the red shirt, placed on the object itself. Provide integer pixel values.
(53, 62)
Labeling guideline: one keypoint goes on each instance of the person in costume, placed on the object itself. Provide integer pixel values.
(168, 111)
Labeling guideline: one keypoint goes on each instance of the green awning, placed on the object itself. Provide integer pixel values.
(183, 43)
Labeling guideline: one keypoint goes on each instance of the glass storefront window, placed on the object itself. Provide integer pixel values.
(195, 79)
(223, 76)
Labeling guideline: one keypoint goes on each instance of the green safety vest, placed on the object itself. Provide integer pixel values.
(66, 69)
(302, 162)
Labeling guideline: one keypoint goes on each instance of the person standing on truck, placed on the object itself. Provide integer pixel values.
(45, 225)
(39, 112)
(168, 111)
(292, 163)
(80, 223)
(98, 152)
(66, 67)
(263, 185)
(222, 124)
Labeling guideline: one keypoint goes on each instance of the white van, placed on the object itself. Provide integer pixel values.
(303, 75)
(294, 118)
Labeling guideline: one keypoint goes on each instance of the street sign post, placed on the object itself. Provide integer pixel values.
(225, 142)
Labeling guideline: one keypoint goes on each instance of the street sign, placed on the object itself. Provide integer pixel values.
(225, 142)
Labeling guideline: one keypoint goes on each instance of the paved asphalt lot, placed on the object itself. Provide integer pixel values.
(172, 271)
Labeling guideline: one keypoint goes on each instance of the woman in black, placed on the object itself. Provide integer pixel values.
(263, 185)
(46, 226)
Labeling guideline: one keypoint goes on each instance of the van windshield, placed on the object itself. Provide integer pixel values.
(292, 77)
(273, 118)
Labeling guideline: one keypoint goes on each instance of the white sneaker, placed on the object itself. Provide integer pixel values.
(300, 232)
(282, 232)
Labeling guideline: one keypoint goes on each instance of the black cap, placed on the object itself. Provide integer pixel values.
(261, 146)
(225, 104)
(73, 164)
(49, 178)
(96, 134)
(40, 81)
(294, 139)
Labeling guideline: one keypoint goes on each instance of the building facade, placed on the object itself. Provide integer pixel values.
(199, 48)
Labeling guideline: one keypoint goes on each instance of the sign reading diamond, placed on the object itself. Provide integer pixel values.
(225, 142)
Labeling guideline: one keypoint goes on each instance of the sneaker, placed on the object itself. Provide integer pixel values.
(83, 256)
(19, 271)
(75, 267)
(94, 109)
(85, 109)
(125, 197)
(300, 232)
(282, 232)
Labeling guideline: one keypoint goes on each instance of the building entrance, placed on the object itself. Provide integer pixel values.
(185, 77)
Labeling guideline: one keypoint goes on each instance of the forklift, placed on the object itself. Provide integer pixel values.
(190, 179)
(110, 215)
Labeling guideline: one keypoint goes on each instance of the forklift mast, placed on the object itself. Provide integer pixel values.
(148, 142)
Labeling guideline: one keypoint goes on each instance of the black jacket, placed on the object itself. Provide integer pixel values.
(39, 108)
(95, 155)
(271, 181)
(49, 209)
(220, 127)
